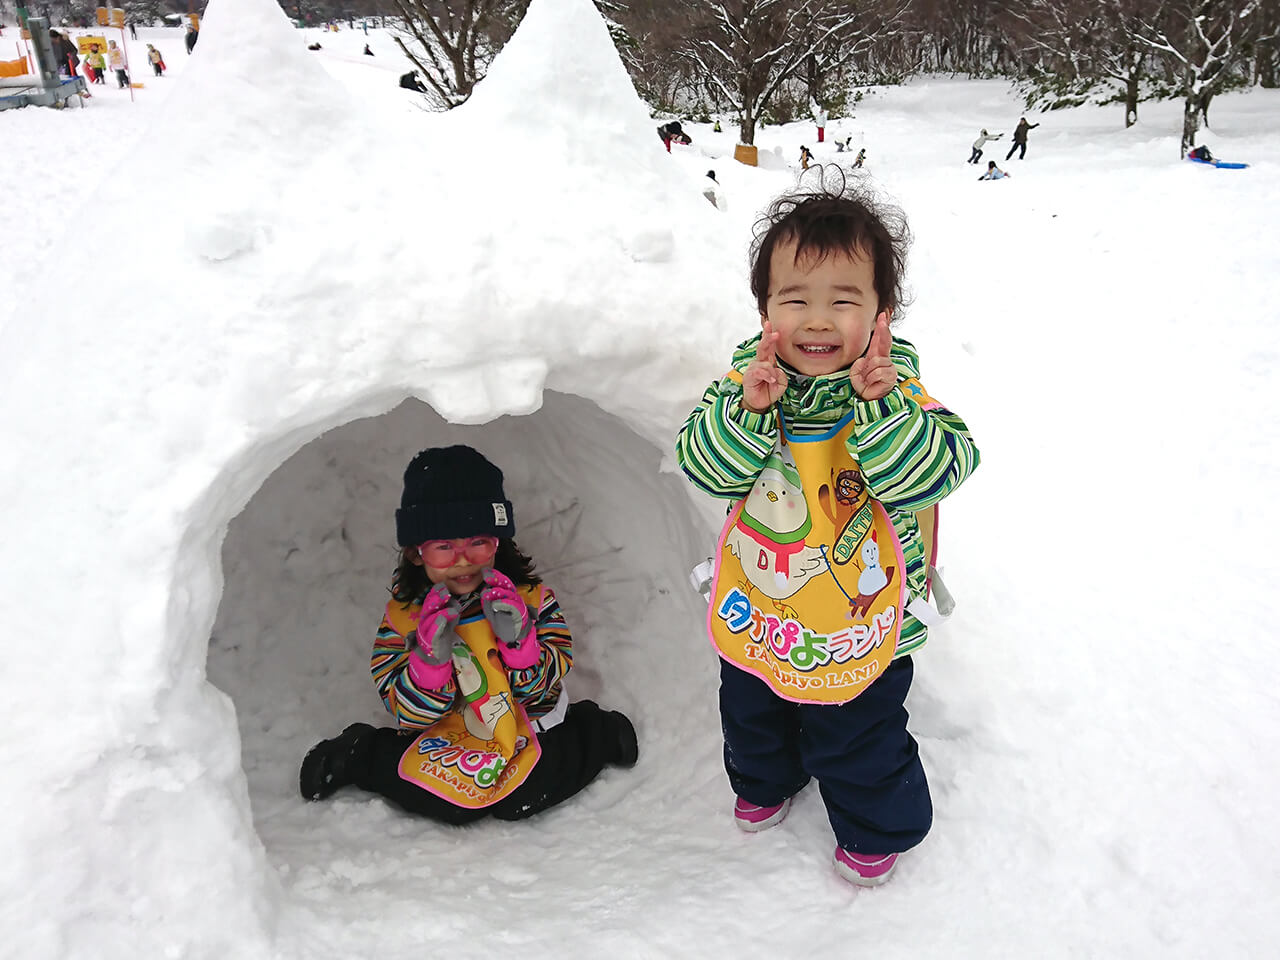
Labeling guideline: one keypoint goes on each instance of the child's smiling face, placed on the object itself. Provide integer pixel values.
(823, 310)
(462, 577)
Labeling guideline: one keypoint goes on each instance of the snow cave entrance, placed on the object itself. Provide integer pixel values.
(308, 561)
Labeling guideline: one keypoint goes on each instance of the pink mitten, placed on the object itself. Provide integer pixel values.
(509, 617)
(431, 663)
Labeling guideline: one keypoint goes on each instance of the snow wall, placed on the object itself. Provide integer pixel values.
(313, 265)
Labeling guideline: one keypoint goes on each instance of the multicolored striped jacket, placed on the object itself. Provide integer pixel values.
(910, 458)
(537, 688)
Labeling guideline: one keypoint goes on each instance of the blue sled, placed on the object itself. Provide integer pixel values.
(1220, 164)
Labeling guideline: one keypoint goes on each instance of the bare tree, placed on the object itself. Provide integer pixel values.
(1209, 40)
(962, 36)
(454, 41)
(876, 23)
(747, 48)
(612, 11)
(658, 29)
(1086, 48)
(1266, 60)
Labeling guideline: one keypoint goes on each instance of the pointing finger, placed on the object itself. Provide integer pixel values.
(765, 348)
(881, 338)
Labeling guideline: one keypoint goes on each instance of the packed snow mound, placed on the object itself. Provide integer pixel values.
(310, 264)
(566, 68)
(307, 568)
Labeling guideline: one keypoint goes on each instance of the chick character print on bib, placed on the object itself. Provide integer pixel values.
(809, 580)
(483, 749)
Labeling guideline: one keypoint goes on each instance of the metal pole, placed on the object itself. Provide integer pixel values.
(127, 71)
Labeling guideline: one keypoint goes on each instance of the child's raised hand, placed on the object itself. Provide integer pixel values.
(504, 608)
(763, 382)
(873, 374)
(431, 658)
(436, 620)
(509, 617)
(437, 598)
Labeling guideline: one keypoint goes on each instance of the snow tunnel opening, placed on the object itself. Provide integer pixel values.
(308, 562)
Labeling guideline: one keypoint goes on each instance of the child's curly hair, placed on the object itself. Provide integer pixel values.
(840, 214)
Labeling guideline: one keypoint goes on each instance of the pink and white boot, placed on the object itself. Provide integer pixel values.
(864, 870)
(753, 819)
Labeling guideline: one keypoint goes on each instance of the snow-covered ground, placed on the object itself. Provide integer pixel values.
(1098, 725)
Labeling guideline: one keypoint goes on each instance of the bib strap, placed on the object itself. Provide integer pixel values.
(701, 576)
(939, 609)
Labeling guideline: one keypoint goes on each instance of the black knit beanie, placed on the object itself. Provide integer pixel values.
(452, 492)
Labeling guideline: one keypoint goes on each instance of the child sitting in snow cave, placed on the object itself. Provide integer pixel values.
(470, 660)
(834, 455)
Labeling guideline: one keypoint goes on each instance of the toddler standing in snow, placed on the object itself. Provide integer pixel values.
(117, 64)
(97, 63)
(835, 456)
(470, 661)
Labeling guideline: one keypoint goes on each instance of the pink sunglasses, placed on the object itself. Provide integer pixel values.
(442, 554)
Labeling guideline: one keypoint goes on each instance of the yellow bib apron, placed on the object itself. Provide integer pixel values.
(809, 584)
(477, 754)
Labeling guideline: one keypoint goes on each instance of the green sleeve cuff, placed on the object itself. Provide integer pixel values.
(869, 411)
(765, 424)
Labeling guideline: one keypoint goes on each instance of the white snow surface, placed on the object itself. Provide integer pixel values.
(238, 304)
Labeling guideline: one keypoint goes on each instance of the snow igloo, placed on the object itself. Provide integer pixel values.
(202, 469)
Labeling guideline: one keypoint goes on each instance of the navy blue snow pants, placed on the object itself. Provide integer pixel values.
(866, 763)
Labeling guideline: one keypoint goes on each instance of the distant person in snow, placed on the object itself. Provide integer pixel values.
(860, 158)
(64, 51)
(672, 132)
(410, 81)
(99, 64)
(367, 51)
(1020, 138)
(192, 36)
(712, 190)
(843, 146)
(116, 56)
(978, 144)
(470, 661)
(314, 46)
(806, 158)
(1200, 153)
(870, 450)
(993, 172)
(154, 58)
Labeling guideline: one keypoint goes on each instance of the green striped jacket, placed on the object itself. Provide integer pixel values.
(910, 458)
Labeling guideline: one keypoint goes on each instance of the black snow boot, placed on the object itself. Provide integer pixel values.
(332, 764)
(612, 732)
(625, 735)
